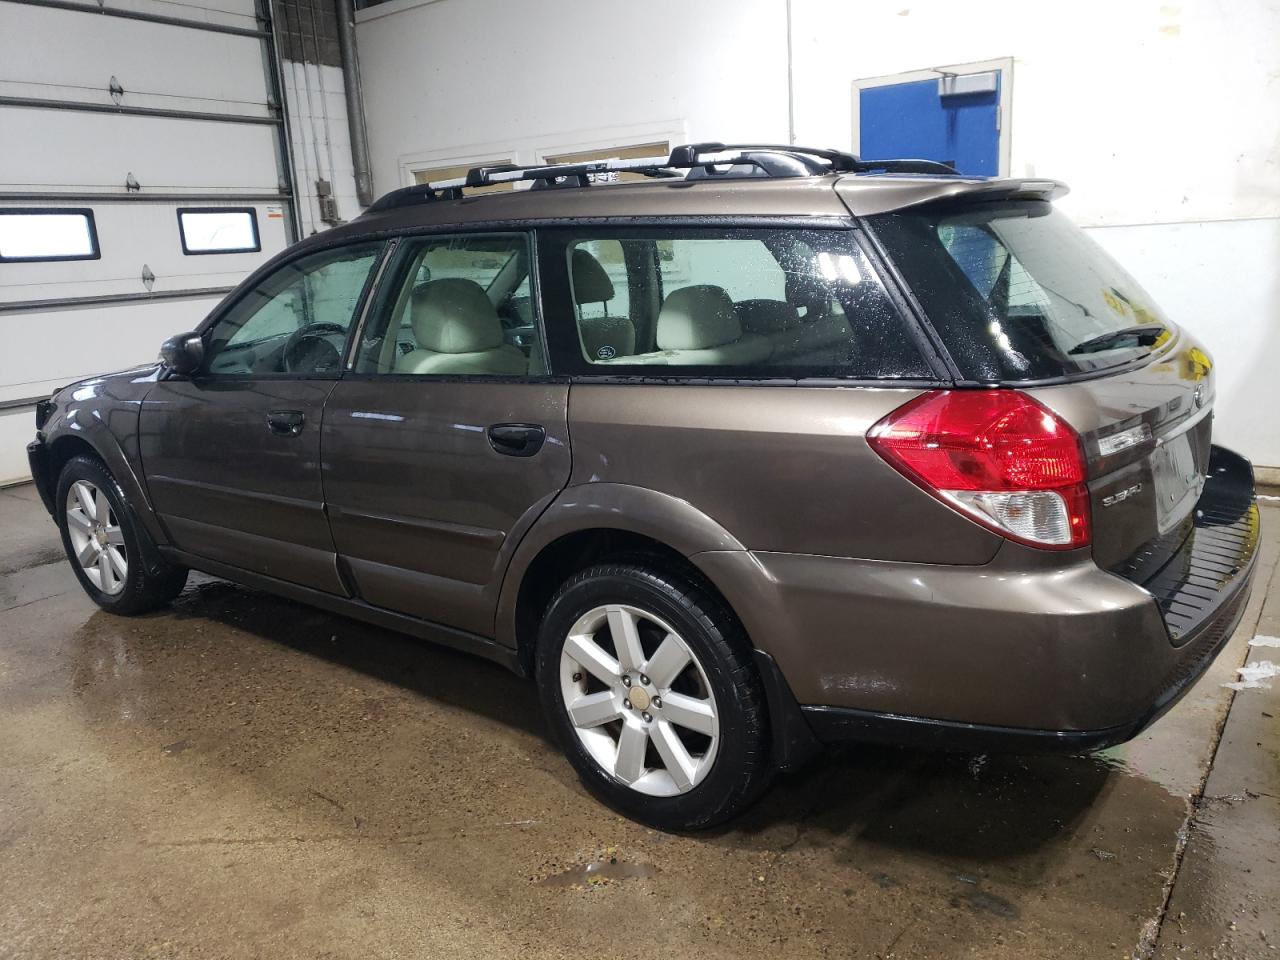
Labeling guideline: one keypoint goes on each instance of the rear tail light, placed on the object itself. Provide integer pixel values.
(998, 457)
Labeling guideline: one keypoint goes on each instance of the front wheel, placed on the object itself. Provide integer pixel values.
(648, 682)
(107, 546)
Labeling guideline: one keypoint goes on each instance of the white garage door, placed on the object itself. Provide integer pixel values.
(142, 175)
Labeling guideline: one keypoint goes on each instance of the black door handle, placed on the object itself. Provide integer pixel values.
(286, 422)
(517, 439)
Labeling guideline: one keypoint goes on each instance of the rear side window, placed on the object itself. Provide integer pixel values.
(1018, 292)
(731, 303)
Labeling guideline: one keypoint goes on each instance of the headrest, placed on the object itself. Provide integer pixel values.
(697, 317)
(808, 292)
(767, 316)
(590, 283)
(453, 315)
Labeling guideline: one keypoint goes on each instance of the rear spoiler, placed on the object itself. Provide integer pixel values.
(869, 195)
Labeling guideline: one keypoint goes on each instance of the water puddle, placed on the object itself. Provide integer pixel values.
(599, 873)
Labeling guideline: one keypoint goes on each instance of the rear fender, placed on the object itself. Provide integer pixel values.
(608, 506)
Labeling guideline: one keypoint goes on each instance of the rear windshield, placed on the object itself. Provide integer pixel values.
(1019, 292)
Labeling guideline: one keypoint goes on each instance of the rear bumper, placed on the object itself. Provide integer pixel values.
(1033, 651)
(837, 724)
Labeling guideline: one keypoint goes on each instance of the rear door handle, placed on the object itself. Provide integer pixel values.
(287, 423)
(517, 439)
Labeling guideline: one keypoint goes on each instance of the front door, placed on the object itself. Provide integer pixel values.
(446, 440)
(232, 454)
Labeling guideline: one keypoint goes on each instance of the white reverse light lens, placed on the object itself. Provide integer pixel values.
(1039, 516)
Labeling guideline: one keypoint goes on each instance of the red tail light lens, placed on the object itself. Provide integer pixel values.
(998, 457)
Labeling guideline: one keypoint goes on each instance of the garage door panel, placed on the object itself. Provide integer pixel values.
(134, 233)
(222, 13)
(89, 51)
(99, 150)
(88, 340)
(65, 142)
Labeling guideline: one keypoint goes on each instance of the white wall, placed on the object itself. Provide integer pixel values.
(1163, 116)
(320, 141)
(459, 79)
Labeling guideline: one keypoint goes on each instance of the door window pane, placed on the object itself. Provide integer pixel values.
(455, 305)
(295, 320)
(218, 230)
(741, 303)
(47, 235)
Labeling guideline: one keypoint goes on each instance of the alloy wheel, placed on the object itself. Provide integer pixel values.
(96, 537)
(639, 700)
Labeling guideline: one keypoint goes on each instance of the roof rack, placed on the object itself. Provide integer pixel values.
(699, 160)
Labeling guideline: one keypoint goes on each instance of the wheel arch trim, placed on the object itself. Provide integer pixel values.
(81, 426)
(670, 521)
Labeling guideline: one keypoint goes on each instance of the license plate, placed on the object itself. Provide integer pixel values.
(1177, 479)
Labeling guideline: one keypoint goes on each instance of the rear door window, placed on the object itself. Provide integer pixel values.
(1018, 292)
(727, 303)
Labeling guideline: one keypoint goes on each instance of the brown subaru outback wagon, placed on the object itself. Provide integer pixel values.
(777, 449)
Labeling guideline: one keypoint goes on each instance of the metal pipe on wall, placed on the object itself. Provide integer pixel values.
(355, 102)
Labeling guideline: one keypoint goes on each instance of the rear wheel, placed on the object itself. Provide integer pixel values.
(648, 682)
(114, 561)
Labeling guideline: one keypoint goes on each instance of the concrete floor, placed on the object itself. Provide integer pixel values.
(241, 776)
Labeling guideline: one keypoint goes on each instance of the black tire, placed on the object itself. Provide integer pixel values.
(151, 581)
(741, 766)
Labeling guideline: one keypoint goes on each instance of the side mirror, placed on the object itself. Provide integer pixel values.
(183, 354)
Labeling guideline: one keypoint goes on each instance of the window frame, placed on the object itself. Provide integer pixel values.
(385, 246)
(384, 277)
(253, 222)
(86, 212)
(564, 347)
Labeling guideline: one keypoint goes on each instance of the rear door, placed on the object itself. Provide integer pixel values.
(232, 454)
(446, 439)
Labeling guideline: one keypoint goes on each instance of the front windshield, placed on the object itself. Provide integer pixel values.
(1019, 292)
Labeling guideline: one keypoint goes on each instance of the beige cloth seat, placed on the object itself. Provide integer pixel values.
(458, 332)
(603, 338)
(699, 326)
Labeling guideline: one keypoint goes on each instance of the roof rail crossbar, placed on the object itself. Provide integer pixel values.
(418, 193)
(907, 166)
(700, 160)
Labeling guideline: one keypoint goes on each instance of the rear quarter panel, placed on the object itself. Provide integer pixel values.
(781, 468)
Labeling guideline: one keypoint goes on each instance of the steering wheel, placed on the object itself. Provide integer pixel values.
(308, 351)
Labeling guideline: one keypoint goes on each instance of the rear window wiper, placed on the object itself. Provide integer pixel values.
(1142, 335)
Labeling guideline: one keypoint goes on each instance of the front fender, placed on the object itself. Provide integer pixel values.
(608, 506)
(103, 414)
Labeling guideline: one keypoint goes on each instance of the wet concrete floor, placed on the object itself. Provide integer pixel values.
(242, 776)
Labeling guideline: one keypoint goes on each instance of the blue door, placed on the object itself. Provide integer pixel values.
(918, 120)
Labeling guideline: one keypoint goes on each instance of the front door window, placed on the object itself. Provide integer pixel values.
(294, 320)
